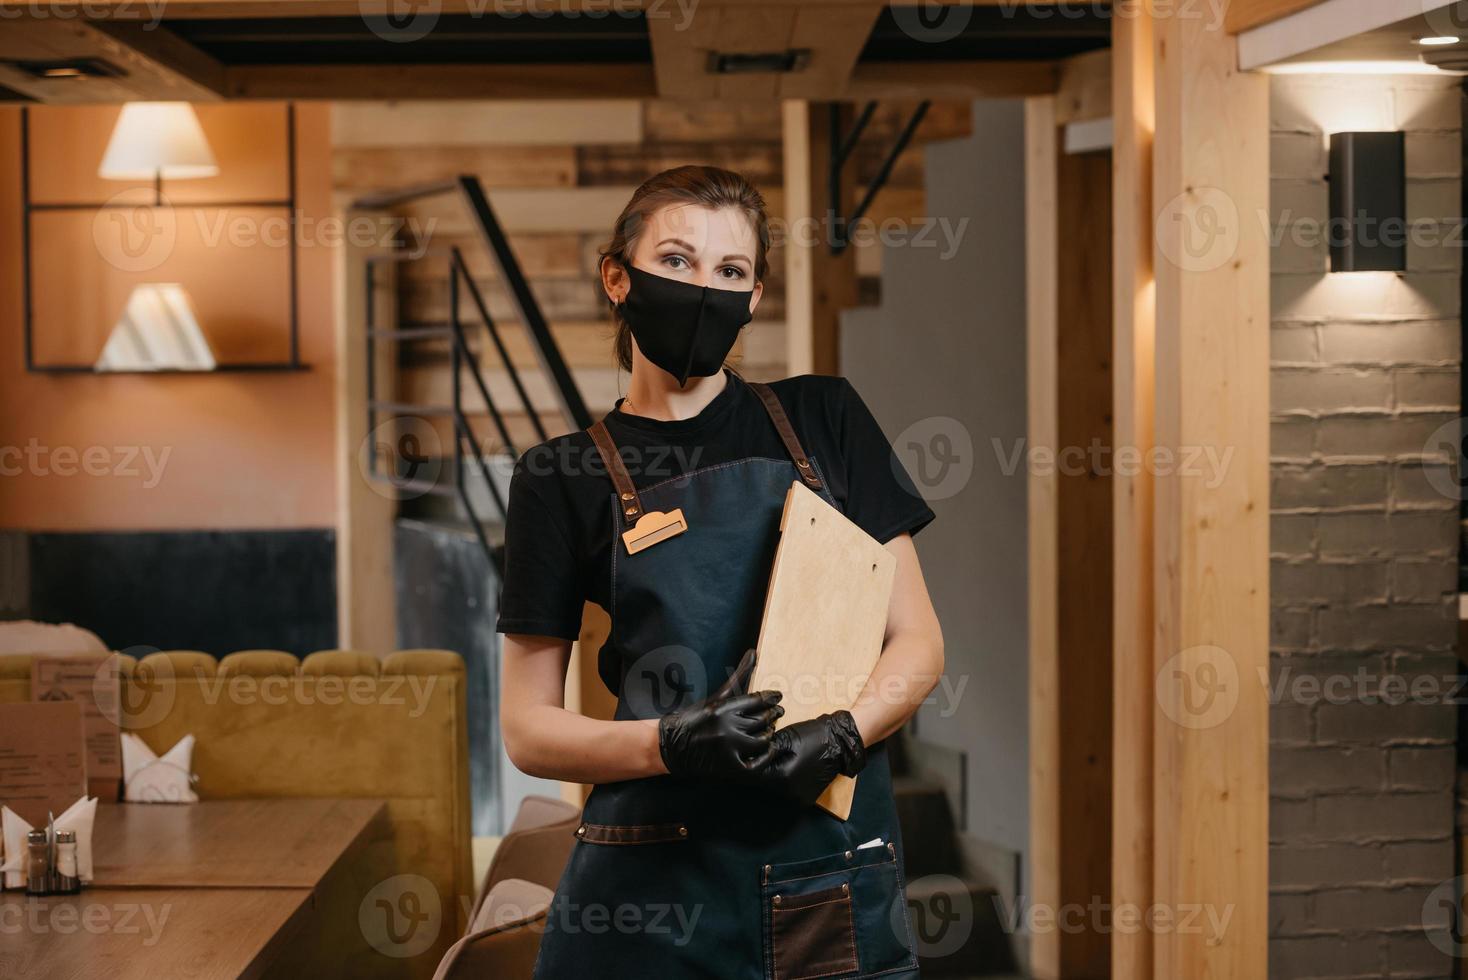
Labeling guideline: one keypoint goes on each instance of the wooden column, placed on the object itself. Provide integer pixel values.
(819, 285)
(1042, 243)
(364, 519)
(1211, 561)
(1070, 513)
(1134, 303)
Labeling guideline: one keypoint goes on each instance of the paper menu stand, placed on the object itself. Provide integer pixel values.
(825, 618)
(42, 758)
(94, 682)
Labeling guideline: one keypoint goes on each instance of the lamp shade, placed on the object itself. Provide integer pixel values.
(157, 139)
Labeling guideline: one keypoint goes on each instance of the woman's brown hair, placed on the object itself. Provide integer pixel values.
(708, 187)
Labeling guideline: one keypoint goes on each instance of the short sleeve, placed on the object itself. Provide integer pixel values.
(881, 497)
(542, 594)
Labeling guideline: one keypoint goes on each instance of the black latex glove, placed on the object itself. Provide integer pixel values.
(728, 736)
(809, 754)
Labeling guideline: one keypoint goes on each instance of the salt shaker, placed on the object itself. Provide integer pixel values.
(67, 880)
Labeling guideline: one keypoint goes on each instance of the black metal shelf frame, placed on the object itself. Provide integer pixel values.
(29, 208)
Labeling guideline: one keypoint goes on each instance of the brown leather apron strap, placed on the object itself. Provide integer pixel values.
(627, 496)
(787, 434)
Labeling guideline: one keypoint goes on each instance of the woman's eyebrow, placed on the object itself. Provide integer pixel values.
(737, 256)
(679, 242)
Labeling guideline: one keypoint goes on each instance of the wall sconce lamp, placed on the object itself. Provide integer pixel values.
(1368, 202)
(154, 140)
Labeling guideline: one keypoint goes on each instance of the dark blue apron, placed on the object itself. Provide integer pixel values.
(674, 877)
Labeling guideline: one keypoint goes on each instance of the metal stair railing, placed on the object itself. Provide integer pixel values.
(461, 285)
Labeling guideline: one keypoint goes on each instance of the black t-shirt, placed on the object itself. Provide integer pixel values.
(558, 535)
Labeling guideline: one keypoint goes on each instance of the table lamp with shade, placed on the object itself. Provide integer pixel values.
(154, 140)
(158, 330)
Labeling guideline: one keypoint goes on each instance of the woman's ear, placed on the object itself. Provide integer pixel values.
(754, 295)
(614, 279)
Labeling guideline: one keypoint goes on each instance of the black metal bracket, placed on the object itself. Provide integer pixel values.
(842, 145)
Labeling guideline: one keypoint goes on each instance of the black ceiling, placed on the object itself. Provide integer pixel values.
(956, 33)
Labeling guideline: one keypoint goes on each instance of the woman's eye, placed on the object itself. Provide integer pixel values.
(731, 272)
(676, 262)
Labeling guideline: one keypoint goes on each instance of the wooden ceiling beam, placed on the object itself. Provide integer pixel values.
(154, 11)
(1244, 14)
(833, 33)
(953, 79)
(891, 80)
(157, 65)
(1084, 91)
(353, 82)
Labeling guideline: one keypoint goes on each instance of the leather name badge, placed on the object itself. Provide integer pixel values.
(654, 526)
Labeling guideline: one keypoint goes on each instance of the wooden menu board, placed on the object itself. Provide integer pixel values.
(825, 618)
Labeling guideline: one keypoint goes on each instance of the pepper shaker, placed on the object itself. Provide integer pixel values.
(38, 866)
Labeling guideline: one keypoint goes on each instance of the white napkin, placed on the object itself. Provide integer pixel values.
(148, 778)
(78, 817)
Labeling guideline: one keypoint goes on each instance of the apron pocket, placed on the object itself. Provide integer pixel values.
(812, 935)
(645, 833)
(836, 915)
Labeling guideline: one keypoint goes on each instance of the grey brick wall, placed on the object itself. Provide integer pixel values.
(1364, 370)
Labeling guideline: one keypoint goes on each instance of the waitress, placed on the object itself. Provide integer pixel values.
(701, 852)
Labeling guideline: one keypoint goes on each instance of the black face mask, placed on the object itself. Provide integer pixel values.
(684, 329)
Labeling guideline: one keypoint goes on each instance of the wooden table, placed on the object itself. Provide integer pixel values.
(196, 891)
(148, 934)
(226, 843)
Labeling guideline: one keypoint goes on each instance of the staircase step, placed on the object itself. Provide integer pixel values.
(928, 839)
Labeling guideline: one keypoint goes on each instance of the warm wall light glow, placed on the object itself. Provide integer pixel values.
(1356, 68)
(154, 140)
(1437, 42)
